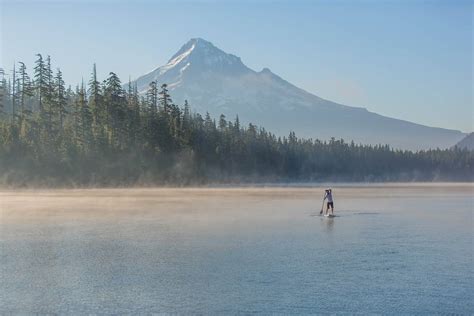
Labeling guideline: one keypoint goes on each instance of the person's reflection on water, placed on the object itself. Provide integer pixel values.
(327, 224)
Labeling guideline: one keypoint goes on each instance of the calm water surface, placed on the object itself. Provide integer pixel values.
(393, 249)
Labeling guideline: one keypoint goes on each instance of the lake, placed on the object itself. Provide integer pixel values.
(392, 249)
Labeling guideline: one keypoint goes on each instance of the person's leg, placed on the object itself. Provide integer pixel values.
(331, 205)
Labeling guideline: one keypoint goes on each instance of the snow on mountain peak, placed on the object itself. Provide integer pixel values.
(176, 59)
(187, 48)
(201, 53)
(194, 58)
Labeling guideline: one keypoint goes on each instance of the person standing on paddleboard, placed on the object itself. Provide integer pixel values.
(330, 201)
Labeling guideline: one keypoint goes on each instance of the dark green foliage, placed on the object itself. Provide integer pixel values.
(3, 91)
(41, 84)
(59, 98)
(50, 135)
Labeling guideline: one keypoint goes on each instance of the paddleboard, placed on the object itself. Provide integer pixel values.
(329, 215)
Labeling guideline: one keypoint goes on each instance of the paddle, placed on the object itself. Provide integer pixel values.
(322, 206)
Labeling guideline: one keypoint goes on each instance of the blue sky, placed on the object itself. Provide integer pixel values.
(405, 59)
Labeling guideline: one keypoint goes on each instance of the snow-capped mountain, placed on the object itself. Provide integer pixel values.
(217, 82)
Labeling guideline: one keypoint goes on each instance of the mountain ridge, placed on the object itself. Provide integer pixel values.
(218, 82)
(467, 142)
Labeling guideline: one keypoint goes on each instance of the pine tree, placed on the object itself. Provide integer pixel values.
(3, 91)
(49, 96)
(116, 110)
(84, 120)
(25, 91)
(186, 113)
(208, 123)
(134, 110)
(165, 99)
(40, 80)
(77, 119)
(175, 123)
(49, 79)
(97, 108)
(130, 89)
(237, 125)
(152, 98)
(14, 95)
(60, 98)
(222, 123)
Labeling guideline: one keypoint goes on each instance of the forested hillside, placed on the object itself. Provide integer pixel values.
(99, 134)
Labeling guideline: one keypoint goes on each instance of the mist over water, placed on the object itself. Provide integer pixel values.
(391, 249)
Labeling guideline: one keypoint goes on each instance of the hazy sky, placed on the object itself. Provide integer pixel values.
(406, 59)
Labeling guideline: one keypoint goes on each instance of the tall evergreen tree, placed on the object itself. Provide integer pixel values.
(25, 88)
(40, 81)
(60, 98)
(25, 92)
(116, 110)
(84, 120)
(134, 113)
(3, 91)
(175, 123)
(152, 98)
(222, 123)
(165, 99)
(186, 123)
(49, 96)
(14, 94)
(96, 106)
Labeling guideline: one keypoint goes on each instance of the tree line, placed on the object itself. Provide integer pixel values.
(102, 134)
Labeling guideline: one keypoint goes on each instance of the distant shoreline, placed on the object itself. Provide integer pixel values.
(256, 185)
